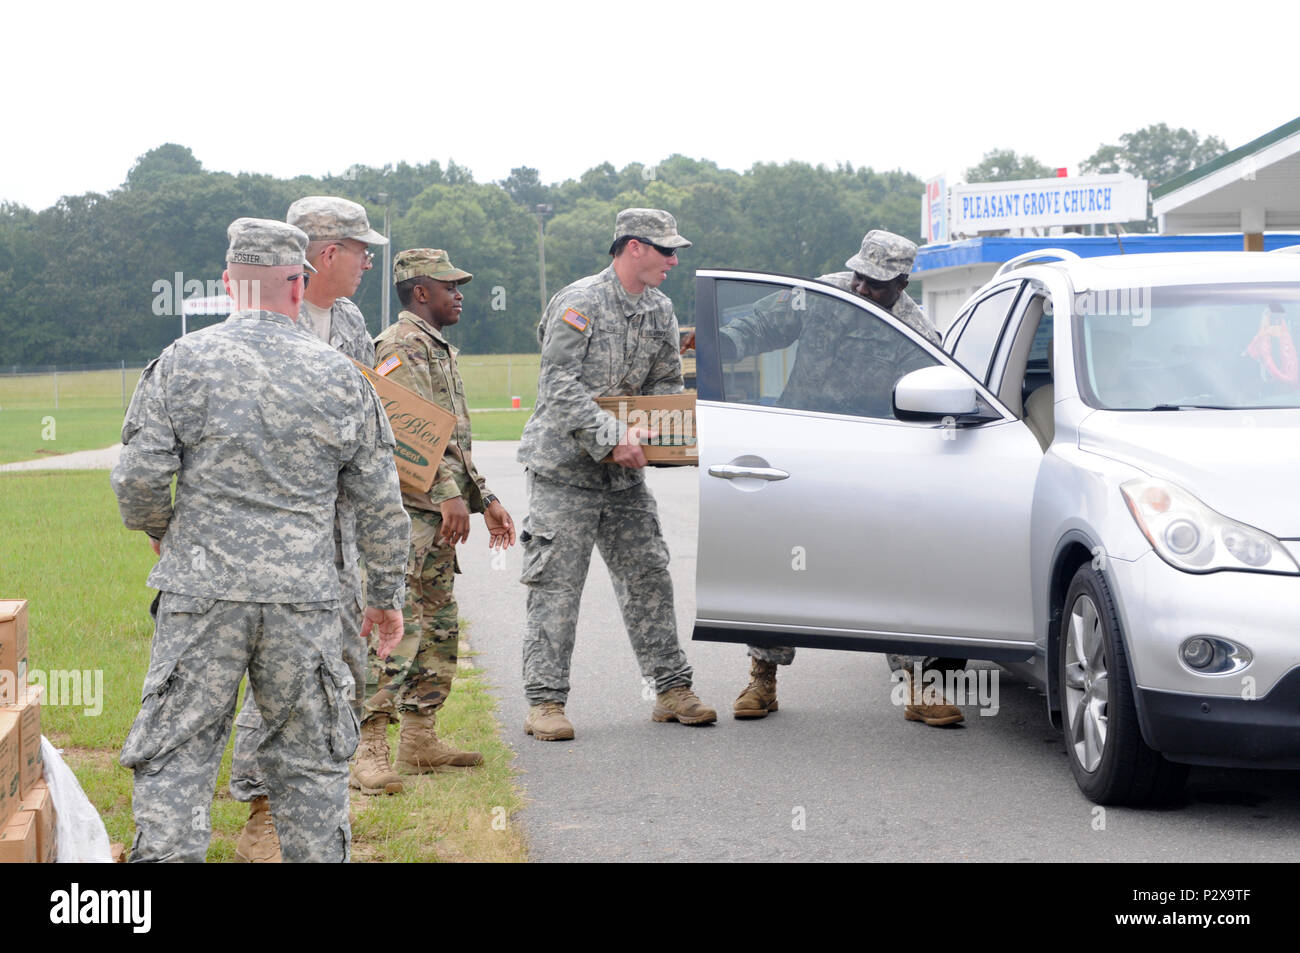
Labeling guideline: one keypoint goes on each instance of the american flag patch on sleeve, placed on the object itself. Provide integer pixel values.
(388, 365)
(575, 319)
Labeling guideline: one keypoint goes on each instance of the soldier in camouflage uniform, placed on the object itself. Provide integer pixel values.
(338, 233)
(415, 680)
(610, 334)
(878, 272)
(263, 427)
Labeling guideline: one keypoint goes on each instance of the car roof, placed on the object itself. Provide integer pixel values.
(1173, 268)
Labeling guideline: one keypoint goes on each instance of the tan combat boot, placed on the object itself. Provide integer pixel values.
(420, 751)
(681, 704)
(929, 710)
(759, 696)
(259, 844)
(547, 722)
(373, 772)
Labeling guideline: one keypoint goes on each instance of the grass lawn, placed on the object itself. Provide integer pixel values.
(65, 551)
(27, 434)
(91, 405)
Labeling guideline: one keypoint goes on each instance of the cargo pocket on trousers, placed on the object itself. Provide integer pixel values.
(539, 546)
(171, 698)
(343, 730)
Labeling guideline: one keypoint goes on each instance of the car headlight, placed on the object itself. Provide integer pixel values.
(1190, 536)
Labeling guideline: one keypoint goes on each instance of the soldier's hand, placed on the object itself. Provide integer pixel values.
(157, 546)
(628, 453)
(390, 625)
(501, 528)
(688, 341)
(455, 521)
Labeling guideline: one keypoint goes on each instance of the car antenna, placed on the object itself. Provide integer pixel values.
(1119, 230)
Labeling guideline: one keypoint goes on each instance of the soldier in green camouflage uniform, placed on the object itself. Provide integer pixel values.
(263, 428)
(607, 335)
(414, 681)
(338, 233)
(828, 347)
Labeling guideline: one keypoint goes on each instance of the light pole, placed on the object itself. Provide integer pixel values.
(386, 200)
(542, 211)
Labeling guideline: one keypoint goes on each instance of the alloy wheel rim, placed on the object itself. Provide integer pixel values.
(1087, 684)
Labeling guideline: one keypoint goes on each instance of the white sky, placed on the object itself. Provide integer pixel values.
(311, 88)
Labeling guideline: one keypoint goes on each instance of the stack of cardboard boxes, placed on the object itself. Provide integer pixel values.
(27, 819)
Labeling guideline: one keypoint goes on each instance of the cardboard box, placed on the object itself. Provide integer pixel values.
(29, 736)
(18, 840)
(13, 650)
(118, 850)
(421, 429)
(671, 416)
(41, 803)
(11, 764)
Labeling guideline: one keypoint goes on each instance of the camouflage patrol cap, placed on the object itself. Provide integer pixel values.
(265, 242)
(428, 262)
(883, 255)
(328, 218)
(654, 225)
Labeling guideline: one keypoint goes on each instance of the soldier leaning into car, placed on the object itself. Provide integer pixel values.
(338, 233)
(606, 335)
(412, 684)
(878, 272)
(263, 427)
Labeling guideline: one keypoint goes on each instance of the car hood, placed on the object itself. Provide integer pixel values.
(1245, 464)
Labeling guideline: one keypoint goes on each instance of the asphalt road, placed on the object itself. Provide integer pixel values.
(835, 775)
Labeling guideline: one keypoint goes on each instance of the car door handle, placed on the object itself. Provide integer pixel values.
(729, 472)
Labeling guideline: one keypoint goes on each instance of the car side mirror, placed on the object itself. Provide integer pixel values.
(933, 393)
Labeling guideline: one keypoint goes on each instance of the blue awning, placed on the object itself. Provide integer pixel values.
(996, 250)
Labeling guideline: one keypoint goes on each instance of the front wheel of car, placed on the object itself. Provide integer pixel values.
(1110, 761)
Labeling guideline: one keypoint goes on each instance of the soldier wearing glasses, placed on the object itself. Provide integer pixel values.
(609, 334)
(338, 233)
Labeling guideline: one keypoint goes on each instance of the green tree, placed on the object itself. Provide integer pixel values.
(1155, 153)
(161, 164)
(1003, 165)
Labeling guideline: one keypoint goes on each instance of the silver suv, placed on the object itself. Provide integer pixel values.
(1095, 484)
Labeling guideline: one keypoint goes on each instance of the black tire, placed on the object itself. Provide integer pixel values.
(1103, 741)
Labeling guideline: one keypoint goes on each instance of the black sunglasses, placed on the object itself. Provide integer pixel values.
(666, 252)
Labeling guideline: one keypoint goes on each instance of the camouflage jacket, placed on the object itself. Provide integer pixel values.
(597, 341)
(844, 364)
(263, 426)
(427, 365)
(348, 335)
(348, 332)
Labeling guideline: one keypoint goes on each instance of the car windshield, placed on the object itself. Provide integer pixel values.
(1229, 346)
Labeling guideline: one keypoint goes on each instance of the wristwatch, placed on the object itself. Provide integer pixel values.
(489, 499)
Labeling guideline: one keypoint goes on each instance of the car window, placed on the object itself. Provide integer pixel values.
(805, 350)
(978, 343)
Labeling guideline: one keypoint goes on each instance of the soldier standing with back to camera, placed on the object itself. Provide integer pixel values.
(607, 335)
(338, 233)
(263, 428)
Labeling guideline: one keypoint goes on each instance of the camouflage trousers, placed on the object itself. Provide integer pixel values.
(562, 525)
(417, 675)
(247, 780)
(201, 649)
(784, 655)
